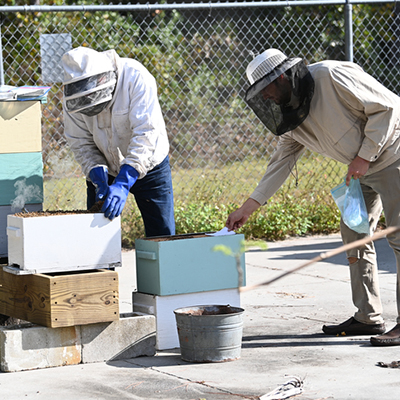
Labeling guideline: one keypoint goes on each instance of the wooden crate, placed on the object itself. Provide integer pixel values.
(62, 299)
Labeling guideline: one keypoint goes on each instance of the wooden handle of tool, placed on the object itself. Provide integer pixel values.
(328, 254)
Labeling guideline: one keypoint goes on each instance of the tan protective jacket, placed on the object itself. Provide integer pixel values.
(351, 114)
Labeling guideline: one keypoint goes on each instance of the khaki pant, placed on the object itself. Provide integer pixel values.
(381, 190)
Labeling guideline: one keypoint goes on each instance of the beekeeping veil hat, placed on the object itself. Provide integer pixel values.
(89, 79)
(265, 69)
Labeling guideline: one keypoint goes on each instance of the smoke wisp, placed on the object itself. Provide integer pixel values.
(25, 193)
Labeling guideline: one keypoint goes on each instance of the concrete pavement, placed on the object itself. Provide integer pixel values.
(282, 337)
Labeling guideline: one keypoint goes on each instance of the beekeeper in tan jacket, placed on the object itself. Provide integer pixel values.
(338, 110)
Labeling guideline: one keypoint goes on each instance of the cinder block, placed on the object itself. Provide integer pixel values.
(26, 347)
(162, 307)
(180, 264)
(134, 335)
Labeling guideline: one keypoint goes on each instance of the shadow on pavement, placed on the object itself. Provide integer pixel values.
(386, 258)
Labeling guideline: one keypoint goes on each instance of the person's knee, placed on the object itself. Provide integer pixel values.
(352, 260)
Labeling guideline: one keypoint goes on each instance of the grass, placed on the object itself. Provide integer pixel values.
(204, 197)
(204, 202)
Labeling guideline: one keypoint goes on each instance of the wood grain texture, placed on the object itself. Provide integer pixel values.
(60, 300)
(84, 298)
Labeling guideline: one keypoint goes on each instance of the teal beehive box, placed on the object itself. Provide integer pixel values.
(180, 264)
(21, 177)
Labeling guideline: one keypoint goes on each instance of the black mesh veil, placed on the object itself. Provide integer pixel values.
(283, 118)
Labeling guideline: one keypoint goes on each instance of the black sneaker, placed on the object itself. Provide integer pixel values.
(352, 327)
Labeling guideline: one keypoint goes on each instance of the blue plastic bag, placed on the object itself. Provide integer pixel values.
(351, 203)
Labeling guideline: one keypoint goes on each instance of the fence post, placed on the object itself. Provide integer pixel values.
(348, 27)
(1, 57)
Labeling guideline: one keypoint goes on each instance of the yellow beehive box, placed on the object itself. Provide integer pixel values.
(20, 127)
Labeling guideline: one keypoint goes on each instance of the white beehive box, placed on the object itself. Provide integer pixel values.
(66, 242)
(162, 307)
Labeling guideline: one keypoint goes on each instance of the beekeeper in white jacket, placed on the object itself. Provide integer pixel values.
(115, 127)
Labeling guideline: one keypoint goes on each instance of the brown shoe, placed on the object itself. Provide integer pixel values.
(391, 338)
(352, 327)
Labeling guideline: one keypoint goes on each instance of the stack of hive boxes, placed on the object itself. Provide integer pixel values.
(52, 272)
(185, 271)
(54, 267)
(21, 166)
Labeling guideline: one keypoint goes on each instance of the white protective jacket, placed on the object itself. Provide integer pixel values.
(351, 114)
(131, 130)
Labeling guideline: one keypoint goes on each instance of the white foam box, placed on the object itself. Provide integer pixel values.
(65, 242)
(162, 307)
(4, 212)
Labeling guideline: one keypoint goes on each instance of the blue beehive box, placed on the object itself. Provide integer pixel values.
(180, 264)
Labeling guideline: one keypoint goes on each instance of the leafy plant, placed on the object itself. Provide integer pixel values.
(282, 217)
(244, 246)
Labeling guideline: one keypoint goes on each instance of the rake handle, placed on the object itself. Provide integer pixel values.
(328, 254)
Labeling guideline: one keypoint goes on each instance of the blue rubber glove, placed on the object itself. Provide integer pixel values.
(99, 178)
(118, 192)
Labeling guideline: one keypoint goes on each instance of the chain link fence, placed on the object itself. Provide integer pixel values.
(198, 54)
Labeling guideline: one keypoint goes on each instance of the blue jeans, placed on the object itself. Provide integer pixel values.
(154, 198)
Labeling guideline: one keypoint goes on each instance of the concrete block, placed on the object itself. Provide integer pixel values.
(162, 307)
(27, 347)
(132, 336)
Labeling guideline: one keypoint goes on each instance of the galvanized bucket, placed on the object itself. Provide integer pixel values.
(210, 333)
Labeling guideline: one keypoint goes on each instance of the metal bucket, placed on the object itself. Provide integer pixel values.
(209, 333)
